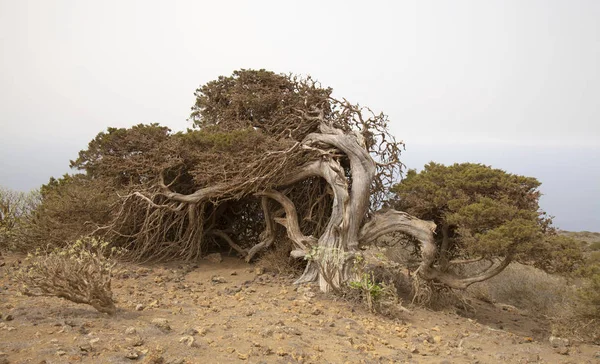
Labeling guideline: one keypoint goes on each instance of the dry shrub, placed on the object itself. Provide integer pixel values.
(526, 288)
(69, 207)
(581, 319)
(81, 272)
(378, 283)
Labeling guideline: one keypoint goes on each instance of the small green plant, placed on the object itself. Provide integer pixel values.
(81, 272)
(368, 288)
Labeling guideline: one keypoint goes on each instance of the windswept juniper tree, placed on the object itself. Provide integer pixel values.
(270, 157)
(268, 154)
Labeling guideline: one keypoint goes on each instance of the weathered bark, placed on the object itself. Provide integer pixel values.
(221, 234)
(443, 261)
(326, 265)
(290, 222)
(267, 237)
(363, 172)
(391, 220)
(337, 244)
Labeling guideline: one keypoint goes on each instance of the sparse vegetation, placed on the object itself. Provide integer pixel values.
(15, 209)
(528, 288)
(80, 272)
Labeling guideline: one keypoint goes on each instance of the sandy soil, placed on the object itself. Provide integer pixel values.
(231, 311)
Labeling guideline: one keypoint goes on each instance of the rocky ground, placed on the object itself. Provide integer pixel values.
(229, 311)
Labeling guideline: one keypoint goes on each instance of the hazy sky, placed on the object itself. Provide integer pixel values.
(514, 84)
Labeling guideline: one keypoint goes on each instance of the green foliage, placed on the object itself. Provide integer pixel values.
(366, 284)
(80, 272)
(486, 213)
(127, 155)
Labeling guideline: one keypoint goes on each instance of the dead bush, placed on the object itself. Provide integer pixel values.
(81, 272)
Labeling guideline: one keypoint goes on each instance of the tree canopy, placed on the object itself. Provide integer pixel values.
(483, 214)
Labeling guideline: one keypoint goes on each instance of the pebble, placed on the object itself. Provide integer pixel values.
(132, 355)
(189, 341)
(162, 324)
(130, 330)
(218, 279)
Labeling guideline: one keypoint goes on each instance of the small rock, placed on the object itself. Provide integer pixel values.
(176, 361)
(214, 257)
(316, 311)
(139, 307)
(562, 350)
(86, 348)
(259, 270)
(130, 330)
(234, 273)
(291, 330)
(61, 352)
(190, 332)
(232, 290)
(9, 317)
(135, 341)
(266, 332)
(218, 279)
(281, 352)
(132, 355)
(243, 356)
(162, 324)
(558, 342)
(94, 340)
(341, 333)
(189, 341)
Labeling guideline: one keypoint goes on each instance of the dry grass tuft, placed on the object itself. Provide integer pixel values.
(527, 288)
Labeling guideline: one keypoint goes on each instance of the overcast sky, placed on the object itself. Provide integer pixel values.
(514, 84)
